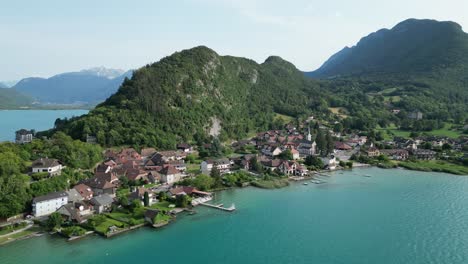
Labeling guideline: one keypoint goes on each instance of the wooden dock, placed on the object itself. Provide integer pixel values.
(220, 207)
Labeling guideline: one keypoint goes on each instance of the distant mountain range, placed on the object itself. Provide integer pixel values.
(10, 98)
(411, 47)
(89, 86)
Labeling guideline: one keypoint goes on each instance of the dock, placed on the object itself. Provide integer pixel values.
(220, 207)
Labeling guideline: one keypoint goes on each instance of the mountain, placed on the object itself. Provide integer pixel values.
(196, 93)
(411, 47)
(3, 86)
(10, 98)
(83, 87)
(418, 65)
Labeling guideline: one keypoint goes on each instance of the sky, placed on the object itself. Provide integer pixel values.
(47, 37)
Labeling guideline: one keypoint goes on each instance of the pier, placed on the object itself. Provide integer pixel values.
(220, 207)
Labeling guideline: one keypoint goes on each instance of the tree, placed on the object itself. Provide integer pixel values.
(146, 199)
(287, 155)
(55, 220)
(203, 182)
(182, 201)
(330, 143)
(321, 142)
(216, 148)
(216, 175)
(123, 200)
(135, 205)
(162, 196)
(315, 162)
(446, 146)
(255, 165)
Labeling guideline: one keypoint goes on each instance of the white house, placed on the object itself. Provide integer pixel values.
(223, 165)
(330, 162)
(170, 175)
(52, 166)
(23, 136)
(49, 203)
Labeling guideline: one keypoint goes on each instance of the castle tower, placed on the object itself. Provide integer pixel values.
(309, 136)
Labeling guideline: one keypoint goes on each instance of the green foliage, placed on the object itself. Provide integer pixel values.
(314, 162)
(146, 199)
(182, 201)
(197, 87)
(286, 155)
(203, 182)
(73, 231)
(55, 220)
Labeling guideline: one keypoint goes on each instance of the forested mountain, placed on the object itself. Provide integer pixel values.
(185, 95)
(418, 65)
(411, 47)
(10, 98)
(84, 87)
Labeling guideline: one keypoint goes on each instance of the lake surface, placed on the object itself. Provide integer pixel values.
(13, 120)
(395, 216)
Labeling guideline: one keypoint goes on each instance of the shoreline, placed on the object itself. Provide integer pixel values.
(162, 225)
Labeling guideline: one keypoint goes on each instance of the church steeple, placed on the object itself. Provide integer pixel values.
(309, 136)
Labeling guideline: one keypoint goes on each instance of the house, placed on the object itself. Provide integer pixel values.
(139, 194)
(372, 152)
(101, 185)
(147, 152)
(292, 168)
(150, 215)
(223, 165)
(184, 147)
(74, 196)
(396, 154)
(52, 166)
(342, 146)
(271, 151)
(188, 190)
(295, 154)
(330, 162)
(75, 212)
(23, 136)
(271, 164)
(169, 175)
(49, 203)
(423, 154)
(102, 203)
(91, 139)
(415, 115)
(85, 191)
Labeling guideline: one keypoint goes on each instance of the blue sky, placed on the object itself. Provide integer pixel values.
(43, 38)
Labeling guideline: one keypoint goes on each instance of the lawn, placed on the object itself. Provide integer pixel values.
(435, 165)
(162, 206)
(11, 228)
(28, 232)
(104, 227)
(162, 218)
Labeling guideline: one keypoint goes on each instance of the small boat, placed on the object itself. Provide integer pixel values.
(305, 183)
(367, 175)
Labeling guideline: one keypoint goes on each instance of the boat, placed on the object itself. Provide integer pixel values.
(305, 183)
(367, 175)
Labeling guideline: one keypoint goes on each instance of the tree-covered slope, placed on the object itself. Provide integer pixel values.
(186, 95)
(411, 47)
(418, 65)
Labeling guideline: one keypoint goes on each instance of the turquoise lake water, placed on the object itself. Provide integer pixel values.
(13, 120)
(395, 216)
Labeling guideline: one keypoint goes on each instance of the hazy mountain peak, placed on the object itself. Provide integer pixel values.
(104, 72)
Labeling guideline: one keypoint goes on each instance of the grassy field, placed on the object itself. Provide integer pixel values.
(446, 131)
(285, 118)
(437, 166)
(162, 206)
(340, 111)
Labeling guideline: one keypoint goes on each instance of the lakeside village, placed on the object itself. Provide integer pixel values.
(132, 188)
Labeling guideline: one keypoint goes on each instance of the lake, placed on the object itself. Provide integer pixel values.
(395, 216)
(13, 120)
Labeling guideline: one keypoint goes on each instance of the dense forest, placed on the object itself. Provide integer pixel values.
(180, 97)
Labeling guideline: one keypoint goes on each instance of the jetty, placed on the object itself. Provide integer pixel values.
(220, 207)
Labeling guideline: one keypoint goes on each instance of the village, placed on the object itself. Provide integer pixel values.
(132, 188)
